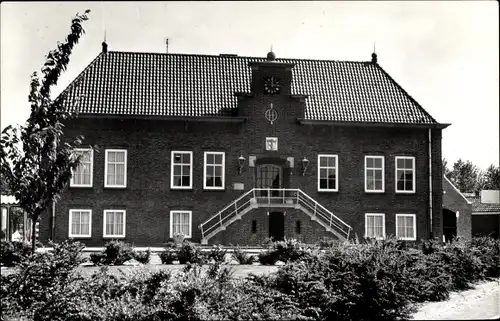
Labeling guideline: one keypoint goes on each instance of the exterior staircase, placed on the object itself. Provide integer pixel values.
(269, 198)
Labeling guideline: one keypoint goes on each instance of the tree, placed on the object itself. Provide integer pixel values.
(446, 170)
(466, 176)
(492, 177)
(37, 172)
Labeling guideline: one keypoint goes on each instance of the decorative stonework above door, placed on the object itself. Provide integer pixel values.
(272, 143)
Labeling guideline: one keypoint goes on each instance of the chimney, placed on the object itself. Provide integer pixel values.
(104, 47)
(490, 196)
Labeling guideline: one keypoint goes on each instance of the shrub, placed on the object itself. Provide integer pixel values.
(98, 258)
(487, 249)
(12, 253)
(41, 275)
(189, 252)
(218, 254)
(242, 257)
(286, 251)
(117, 252)
(168, 256)
(143, 256)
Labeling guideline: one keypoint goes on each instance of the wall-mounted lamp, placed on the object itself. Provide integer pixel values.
(305, 164)
(241, 162)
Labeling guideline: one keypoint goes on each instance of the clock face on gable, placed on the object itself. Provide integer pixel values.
(272, 85)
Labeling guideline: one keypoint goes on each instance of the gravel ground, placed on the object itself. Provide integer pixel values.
(482, 302)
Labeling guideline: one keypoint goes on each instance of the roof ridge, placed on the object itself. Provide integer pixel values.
(406, 93)
(233, 56)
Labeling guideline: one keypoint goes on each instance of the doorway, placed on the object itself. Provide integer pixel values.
(277, 226)
(269, 176)
(449, 224)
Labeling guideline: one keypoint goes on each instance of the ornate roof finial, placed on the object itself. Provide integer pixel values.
(374, 55)
(104, 47)
(271, 56)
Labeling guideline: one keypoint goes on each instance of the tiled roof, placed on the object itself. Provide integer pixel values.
(8, 200)
(479, 207)
(129, 83)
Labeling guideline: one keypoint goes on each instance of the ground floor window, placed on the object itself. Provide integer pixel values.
(180, 222)
(375, 225)
(406, 228)
(114, 223)
(80, 223)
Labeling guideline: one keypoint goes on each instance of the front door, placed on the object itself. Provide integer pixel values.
(269, 176)
(277, 226)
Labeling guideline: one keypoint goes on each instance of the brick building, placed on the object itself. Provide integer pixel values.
(232, 150)
(457, 212)
(486, 213)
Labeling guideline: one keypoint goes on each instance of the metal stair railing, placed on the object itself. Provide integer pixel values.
(226, 214)
(274, 197)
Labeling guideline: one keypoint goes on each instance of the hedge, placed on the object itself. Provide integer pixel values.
(361, 280)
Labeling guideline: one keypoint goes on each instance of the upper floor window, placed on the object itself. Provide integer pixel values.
(328, 173)
(406, 227)
(116, 168)
(82, 175)
(374, 174)
(114, 223)
(80, 223)
(405, 174)
(375, 225)
(181, 173)
(180, 222)
(214, 170)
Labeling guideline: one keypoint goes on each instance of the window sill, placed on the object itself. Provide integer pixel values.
(80, 237)
(113, 237)
(374, 192)
(214, 189)
(190, 189)
(115, 187)
(328, 191)
(81, 186)
(405, 192)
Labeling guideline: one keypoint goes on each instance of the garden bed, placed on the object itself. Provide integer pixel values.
(388, 279)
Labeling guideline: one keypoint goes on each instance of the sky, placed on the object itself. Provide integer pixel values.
(444, 54)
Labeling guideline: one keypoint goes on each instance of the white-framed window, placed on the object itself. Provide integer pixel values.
(375, 225)
(405, 174)
(114, 223)
(214, 167)
(82, 175)
(180, 222)
(328, 173)
(374, 174)
(181, 170)
(80, 223)
(115, 172)
(406, 227)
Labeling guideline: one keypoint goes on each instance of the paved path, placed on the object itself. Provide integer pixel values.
(482, 302)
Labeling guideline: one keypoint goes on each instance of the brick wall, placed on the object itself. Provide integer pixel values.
(454, 201)
(148, 197)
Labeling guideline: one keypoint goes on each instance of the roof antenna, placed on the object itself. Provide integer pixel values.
(104, 44)
(166, 43)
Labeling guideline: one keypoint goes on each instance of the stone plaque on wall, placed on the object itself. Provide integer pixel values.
(238, 186)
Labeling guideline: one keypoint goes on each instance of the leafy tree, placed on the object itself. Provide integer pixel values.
(492, 177)
(466, 176)
(37, 172)
(446, 170)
